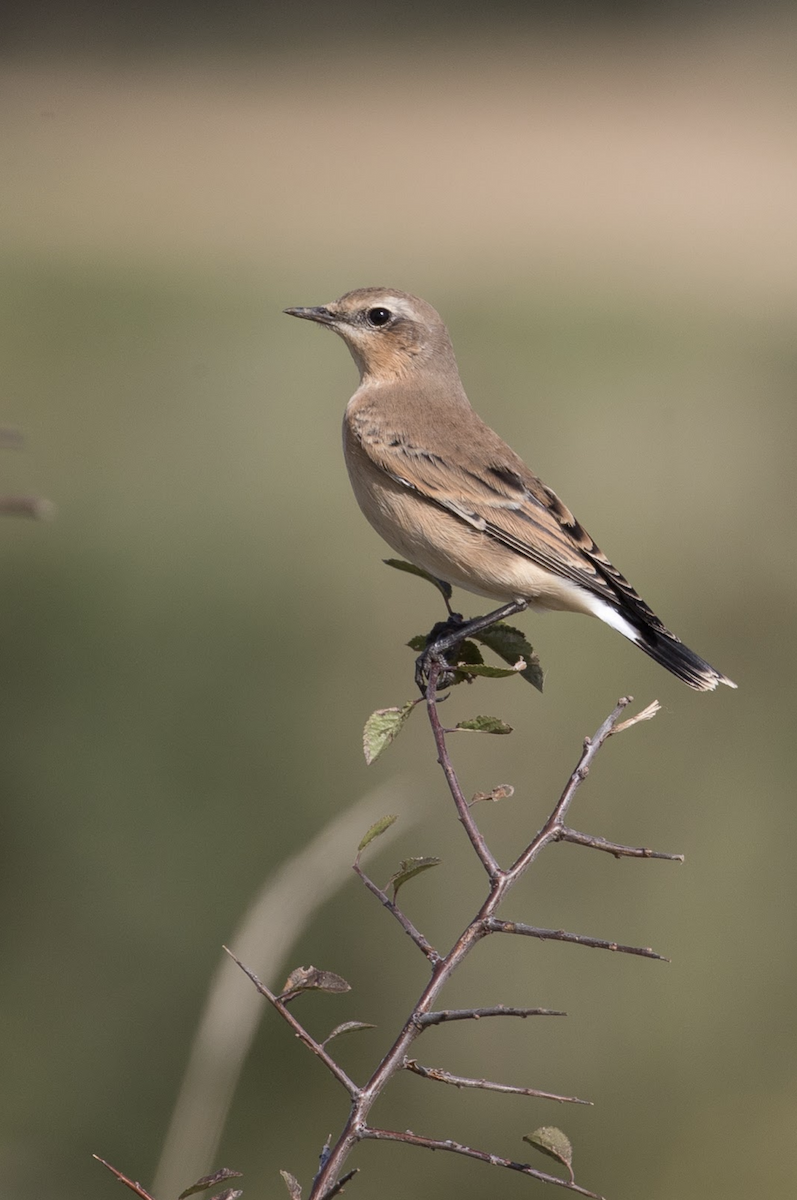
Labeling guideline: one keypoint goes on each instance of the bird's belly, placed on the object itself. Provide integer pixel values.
(451, 549)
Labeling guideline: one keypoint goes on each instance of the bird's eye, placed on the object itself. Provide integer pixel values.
(378, 316)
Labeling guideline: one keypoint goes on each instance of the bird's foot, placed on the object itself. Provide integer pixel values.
(443, 643)
(439, 647)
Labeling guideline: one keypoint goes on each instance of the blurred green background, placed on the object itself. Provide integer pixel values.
(601, 203)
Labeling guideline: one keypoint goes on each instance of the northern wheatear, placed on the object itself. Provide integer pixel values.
(450, 496)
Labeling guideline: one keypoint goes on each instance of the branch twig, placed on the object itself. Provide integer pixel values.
(414, 1139)
(338, 1187)
(475, 1014)
(131, 1183)
(464, 1081)
(406, 924)
(493, 925)
(566, 834)
(485, 855)
(299, 1030)
(484, 923)
(552, 828)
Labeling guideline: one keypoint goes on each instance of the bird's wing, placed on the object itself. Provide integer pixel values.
(501, 496)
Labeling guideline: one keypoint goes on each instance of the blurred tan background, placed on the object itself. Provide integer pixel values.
(603, 207)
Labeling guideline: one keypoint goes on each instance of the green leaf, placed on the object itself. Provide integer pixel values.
(376, 830)
(382, 728)
(293, 1185)
(418, 643)
(551, 1141)
(209, 1181)
(468, 655)
(487, 671)
(409, 868)
(485, 725)
(305, 979)
(510, 644)
(400, 565)
(346, 1027)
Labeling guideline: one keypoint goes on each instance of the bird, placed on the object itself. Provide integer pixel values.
(446, 493)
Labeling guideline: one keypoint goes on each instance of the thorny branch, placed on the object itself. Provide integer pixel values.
(493, 925)
(337, 1188)
(130, 1183)
(463, 1081)
(299, 1029)
(330, 1178)
(488, 861)
(403, 920)
(619, 851)
(412, 1139)
(475, 1014)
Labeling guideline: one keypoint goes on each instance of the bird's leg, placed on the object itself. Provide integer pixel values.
(445, 589)
(446, 635)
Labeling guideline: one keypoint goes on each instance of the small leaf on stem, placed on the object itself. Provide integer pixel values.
(346, 1027)
(554, 1143)
(484, 725)
(382, 728)
(409, 868)
(293, 1185)
(488, 672)
(375, 831)
(502, 792)
(305, 979)
(209, 1181)
(400, 565)
(510, 644)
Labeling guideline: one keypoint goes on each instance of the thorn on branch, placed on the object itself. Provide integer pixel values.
(475, 1014)
(130, 1183)
(552, 829)
(413, 1139)
(338, 1187)
(566, 834)
(463, 1081)
(493, 925)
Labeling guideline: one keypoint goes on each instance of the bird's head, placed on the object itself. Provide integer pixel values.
(390, 334)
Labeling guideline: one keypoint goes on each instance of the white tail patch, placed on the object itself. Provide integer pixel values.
(612, 617)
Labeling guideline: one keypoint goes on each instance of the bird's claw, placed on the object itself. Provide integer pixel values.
(435, 651)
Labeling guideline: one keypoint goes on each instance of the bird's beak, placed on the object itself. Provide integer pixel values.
(320, 314)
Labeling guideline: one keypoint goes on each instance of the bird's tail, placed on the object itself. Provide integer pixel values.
(634, 620)
(668, 650)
